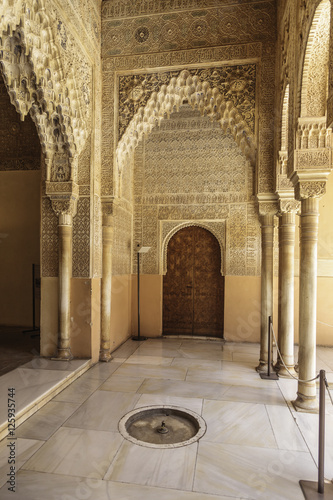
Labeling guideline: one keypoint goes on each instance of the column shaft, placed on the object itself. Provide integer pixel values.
(286, 292)
(65, 274)
(106, 293)
(267, 241)
(306, 394)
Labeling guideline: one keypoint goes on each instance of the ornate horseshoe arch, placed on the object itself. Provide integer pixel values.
(200, 95)
(33, 73)
(216, 228)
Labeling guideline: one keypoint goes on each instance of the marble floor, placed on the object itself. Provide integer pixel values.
(255, 447)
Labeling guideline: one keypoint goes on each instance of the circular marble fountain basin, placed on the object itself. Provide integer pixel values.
(143, 426)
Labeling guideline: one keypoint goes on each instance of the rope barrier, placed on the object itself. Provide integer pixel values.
(281, 358)
(328, 390)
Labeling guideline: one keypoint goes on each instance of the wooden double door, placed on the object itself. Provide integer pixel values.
(193, 287)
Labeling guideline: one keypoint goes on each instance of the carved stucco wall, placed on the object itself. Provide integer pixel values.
(173, 36)
(189, 172)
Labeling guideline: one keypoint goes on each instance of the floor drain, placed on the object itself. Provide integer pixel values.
(162, 426)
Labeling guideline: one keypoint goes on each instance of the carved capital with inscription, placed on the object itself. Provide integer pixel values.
(268, 204)
(310, 189)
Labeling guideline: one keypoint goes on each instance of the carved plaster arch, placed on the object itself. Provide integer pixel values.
(209, 226)
(34, 76)
(285, 120)
(315, 65)
(200, 95)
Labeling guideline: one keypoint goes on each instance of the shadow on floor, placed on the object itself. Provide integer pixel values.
(16, 347)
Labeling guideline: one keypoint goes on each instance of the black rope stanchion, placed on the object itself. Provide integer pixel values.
(271, 375)
(311, 489)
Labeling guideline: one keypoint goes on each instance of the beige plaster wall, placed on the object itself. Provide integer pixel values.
(242, 308)
(151, 305)
(49, 316)
(19, 240)
(120, 310)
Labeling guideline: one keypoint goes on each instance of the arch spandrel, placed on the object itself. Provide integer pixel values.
(200, 95)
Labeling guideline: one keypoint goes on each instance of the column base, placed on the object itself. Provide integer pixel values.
(262, 367)
(284, 373)
(105, 356)
(63, 355)
(307, 404)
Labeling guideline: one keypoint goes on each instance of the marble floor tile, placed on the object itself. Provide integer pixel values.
(250, 378)
(183, 389)
(79, 390)
(101, 371)
(148, 360)
(127, 349)
(286, 431)
(288, 387)
(168, 352)
(47, 420)
(248, 357)
(266, 395)
(165, 468)
(29, 386)
(148, 371)
(42, 486)
(193, 404)
(49, 364)
(309, 424)
(76, 452)
(120, 383)
(24, 449)
(103, 410)
(205, 354)
(197, 363)
(255, 473)
(244, 424)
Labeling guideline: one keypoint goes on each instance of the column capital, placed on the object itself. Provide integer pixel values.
(63, 196)
(288, 205)
(108, 204)
(268, 204)
(310, 189)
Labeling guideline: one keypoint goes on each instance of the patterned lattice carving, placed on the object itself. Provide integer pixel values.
(49, 240)
(81, 239)
(188, 172)
(121, 256)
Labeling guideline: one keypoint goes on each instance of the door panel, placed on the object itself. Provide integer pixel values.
(193, 292)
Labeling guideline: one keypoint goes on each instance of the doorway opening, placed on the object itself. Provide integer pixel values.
(193, 287)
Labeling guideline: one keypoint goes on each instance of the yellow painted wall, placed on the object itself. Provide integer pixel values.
(19, 242)
(151, 305)
(121, 303)
(242, 308)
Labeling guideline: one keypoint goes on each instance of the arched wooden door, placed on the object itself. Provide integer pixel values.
(193, 287)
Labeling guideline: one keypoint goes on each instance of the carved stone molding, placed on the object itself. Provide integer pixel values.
(108, 210)
(313, 159)
(63, 197)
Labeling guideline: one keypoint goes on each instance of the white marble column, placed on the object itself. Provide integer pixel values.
(306, 393)
(65, 275)
(286, 293)
(106, 290)
(267, 246)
